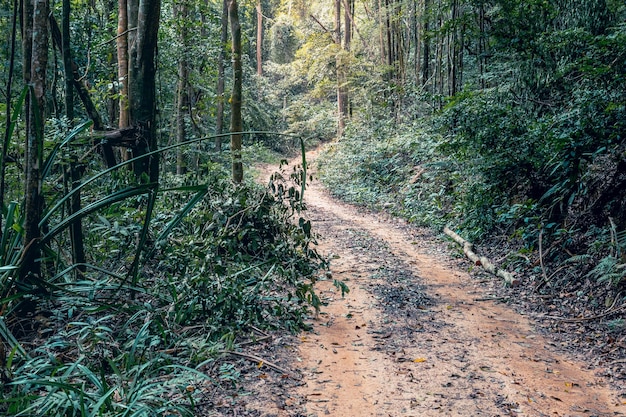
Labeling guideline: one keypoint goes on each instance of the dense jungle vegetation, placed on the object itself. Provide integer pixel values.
(136, 246)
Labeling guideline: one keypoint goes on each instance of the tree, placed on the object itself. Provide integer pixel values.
(122, 64)
(145, 14)
(181, 13)
(35, 61)
(236, 124)
(219, 117)
(342, 68)
(259, 38)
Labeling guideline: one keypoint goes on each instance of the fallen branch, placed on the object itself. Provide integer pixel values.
(468, 250)
(260, 361)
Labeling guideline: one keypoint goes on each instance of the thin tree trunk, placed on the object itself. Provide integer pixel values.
(67, 61)
(219, 117)
(342, 97)
(182, 91)
(76, 229)
(426, 42)
(417, 40)
(236, 124)
(7, 126)
(259, 38)
(121, 43)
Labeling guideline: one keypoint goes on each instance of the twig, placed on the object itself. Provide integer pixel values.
(254, 341)
(491, 299)
(543, 267)
(608, 312)
(258, 359)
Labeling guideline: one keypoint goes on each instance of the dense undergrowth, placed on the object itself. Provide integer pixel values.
(155, 307)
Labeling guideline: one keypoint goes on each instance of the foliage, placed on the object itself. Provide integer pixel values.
(228, 258)
(382, 168)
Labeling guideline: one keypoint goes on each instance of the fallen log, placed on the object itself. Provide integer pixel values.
(468, 250)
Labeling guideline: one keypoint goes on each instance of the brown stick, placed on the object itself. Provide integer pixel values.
(508, 278)
(608, 312)
(260, 360)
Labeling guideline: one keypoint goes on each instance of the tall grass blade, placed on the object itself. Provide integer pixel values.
(8, 337)
(96, 205)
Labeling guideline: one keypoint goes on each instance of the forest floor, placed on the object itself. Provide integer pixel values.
(417, 335)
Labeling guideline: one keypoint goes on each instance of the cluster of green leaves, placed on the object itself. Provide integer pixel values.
(240, 259)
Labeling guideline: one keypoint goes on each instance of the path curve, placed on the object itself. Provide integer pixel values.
(417, 337)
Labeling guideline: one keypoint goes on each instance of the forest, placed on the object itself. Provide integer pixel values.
(137, 244)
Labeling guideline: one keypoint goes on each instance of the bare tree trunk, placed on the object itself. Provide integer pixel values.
(426, 43)
(76, 228)
(7, 127)
(382, 32)
(182, 91)
(142, 86)
(35, 55)
(67, 61)
(236, 124)
(259, 38)
(122, 69)
(342, 95)
(219, 117)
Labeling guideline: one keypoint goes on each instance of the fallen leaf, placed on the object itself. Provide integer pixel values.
(418, 360)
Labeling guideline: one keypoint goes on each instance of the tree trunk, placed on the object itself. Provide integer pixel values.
(426, 43)
(76, 229)
(219, 117)
(35, 55)
(67, 61)
(236, 124)
(342, 95)
(259, 38)
(121, 43)
(182, 91)
(142, 85)
(8, 92)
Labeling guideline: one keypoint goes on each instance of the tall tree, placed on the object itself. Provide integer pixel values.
(35, 60)
(236, 124)
(67, 60)
(259, 38)
(341, 64)
(181, 13)
(122, 63)
(219, 117)
(142, 87)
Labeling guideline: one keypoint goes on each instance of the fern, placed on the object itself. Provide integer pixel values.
(578, 259)
(609, 269)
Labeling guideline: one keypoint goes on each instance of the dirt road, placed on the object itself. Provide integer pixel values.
(418, 336)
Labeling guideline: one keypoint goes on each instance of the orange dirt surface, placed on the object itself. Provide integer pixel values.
(418, 336)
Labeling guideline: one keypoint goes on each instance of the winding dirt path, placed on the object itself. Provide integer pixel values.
(417, 336)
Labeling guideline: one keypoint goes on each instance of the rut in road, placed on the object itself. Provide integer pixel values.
(414, 337)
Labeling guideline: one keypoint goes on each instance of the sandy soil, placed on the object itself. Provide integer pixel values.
(417, 335)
